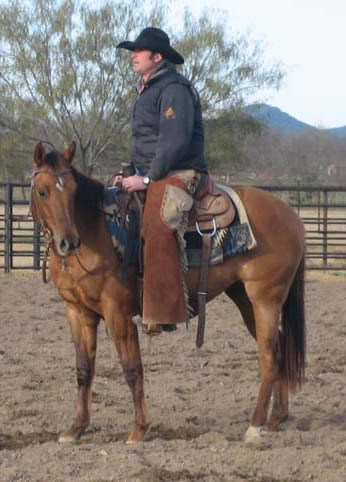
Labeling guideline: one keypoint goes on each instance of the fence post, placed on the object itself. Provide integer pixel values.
(319, 212)
(37, 251)
(8, 228)
(325, 228)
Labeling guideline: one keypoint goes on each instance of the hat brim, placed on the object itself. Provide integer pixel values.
(169, 53)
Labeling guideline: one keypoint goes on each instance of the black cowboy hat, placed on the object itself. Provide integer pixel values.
(156, 40)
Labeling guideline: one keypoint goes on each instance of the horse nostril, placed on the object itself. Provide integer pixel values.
(77, 243)
(64, 246)
(68, 245)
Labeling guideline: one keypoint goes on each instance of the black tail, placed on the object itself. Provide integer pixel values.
(293, 331)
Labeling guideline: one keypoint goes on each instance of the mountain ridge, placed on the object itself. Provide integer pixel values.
(275, 118)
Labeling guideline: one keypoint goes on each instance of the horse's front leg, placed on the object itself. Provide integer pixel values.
(84, 334)
(125, 336)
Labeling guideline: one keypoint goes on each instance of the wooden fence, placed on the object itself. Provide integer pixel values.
(323, 210)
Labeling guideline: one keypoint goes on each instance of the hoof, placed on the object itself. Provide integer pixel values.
(137, 435)
(273, 423)
(254, 436)
(71, 435)
(67, 437)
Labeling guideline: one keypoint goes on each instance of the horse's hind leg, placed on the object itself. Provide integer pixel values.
(280, 405)
(84, 334)
(280, 391)
(239, 296)
(125, 337)
(267, 328)
(280, 399)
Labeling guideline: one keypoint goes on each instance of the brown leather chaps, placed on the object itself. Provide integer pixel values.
(165, 218)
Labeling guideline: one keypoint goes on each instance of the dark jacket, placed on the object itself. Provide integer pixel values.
(167, 126)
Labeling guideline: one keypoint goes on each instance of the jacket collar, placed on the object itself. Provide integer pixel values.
(161, 70)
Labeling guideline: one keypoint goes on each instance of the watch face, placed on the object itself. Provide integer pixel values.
(146, 180)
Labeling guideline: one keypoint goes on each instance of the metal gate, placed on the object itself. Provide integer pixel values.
(323, 210)
(20, 240)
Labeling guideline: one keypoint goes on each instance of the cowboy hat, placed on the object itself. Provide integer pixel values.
(156, 40)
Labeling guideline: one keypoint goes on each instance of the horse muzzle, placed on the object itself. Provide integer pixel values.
(67, 245)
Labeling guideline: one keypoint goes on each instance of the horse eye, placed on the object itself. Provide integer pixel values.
(43, 193)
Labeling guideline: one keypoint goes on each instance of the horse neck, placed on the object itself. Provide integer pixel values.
(90, 219)
(92, 231)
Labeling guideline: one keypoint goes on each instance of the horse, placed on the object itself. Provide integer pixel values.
(266, 284)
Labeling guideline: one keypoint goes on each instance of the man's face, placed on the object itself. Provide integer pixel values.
(145, 61)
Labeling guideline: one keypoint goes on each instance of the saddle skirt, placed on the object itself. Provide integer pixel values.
(216, 208)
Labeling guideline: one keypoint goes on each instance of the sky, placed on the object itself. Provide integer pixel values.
(309, 38)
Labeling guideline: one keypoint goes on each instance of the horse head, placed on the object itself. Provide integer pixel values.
(53, 195)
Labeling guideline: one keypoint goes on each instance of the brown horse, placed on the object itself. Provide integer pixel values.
(266, 284)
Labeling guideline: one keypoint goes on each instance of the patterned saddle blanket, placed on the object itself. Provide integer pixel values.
(233, 239)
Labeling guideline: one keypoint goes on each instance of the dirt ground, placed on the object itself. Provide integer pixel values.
(200, 402)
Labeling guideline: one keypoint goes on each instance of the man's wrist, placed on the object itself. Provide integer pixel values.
(146, 180)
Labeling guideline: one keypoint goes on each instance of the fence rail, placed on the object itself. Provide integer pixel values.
(322, 209)
(20, 239)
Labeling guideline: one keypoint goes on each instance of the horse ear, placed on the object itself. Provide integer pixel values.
(39, 154)
(70, 152)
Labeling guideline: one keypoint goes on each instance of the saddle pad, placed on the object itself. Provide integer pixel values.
(243, 219)
(120, 237)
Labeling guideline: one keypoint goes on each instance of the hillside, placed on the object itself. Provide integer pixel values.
(275, 118)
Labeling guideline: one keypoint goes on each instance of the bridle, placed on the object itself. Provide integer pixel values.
(59, 177)
(47, 233)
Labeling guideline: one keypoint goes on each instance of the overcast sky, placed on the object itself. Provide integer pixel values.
(308, 37)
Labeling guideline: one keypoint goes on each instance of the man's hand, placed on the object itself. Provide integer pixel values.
(118, 181)
(134, 183)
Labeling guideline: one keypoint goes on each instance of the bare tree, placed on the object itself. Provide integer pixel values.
(62, 57)
(61, 76)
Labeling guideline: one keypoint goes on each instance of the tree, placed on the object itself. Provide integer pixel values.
(61, 57)
(226, 69)
(63, 78)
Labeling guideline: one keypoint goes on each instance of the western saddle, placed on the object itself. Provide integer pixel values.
(212, 208)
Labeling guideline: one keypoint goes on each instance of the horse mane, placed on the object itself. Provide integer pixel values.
(89, 195)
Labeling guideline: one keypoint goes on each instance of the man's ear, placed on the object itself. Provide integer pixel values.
(70, 152)
(158, 57)
(39, 154)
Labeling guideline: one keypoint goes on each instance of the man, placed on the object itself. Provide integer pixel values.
(167, 159)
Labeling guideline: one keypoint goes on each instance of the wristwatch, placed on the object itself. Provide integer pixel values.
(146, 180)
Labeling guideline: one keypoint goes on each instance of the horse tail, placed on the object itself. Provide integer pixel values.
(293, 331)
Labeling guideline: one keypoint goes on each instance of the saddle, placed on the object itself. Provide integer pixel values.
(212, 208)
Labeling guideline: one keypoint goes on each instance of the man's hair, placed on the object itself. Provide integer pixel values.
(152, 55)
